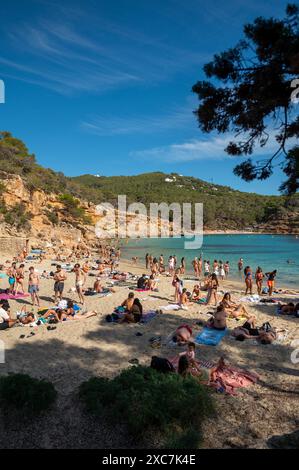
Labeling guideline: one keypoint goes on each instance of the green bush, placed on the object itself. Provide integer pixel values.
(52, 217)
(17, 216)
(145, 400)
(26, 394)
(72, 207)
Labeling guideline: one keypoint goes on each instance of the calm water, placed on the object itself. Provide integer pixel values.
(268, 251)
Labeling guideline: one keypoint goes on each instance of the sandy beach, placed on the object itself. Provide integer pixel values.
(78, 350)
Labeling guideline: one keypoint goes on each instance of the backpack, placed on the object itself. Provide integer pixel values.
(161, 364)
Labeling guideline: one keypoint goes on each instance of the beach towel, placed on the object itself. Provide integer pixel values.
(12, 296)
(225, 379)
(170, 307)
(210, 336)
(251, 298)
(148, 316)
(228, 379)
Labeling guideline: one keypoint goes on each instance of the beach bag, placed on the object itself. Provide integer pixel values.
(266, 327)
(161, 364)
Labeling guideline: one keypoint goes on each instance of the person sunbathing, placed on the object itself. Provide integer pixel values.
(234, 310)
(134, 315)
(152, 283)
(98, 288)
(196, 293)
(128, 303)
(184, 300)
(265, 334)
(218, 320)
(288, 309)
(182, 334)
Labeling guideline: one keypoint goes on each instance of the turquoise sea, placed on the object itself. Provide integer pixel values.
(268, 251)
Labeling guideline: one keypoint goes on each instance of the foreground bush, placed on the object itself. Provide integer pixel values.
(26, 394)
(145, 400)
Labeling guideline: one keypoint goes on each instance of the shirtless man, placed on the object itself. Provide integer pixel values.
(218, 321)
(80, 281)
(59, 278)
(33, 286)
(184, 299)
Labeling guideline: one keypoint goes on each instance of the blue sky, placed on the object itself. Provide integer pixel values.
(104, 87)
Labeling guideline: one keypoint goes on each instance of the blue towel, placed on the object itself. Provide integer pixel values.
(210, 336)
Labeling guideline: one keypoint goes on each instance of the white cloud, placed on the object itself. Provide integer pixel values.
(129, 125)
(196, 149)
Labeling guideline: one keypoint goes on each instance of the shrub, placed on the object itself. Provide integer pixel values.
(26, 394)
(72, 207)
(17, 216)
(52, 217)
(145, 400)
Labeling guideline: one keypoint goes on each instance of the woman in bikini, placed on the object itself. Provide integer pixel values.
(259, 276)
(20, 278)
(248, 280)
(234, 310)
(213, 285)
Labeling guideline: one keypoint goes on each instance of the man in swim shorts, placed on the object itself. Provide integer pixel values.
(59, 278)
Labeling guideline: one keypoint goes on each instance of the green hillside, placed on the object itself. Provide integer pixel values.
(224, 208)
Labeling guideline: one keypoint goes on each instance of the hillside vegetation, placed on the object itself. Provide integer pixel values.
(224, 208)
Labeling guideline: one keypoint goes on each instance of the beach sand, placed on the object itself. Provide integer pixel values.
(78, 350)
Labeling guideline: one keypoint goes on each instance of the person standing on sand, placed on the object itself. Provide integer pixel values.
(12, 273)
(147, 261)
(213, 285)
(80, 281)
(207, 268)
(248, 280)
(33, 286)
(178, 286)
(161, 264)
(271, 280)
(259, 276)
(199, 266)
(20, 278)
(195, 267)
(59, 278)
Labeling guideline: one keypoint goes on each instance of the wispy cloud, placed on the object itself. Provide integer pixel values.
(196, 149)
(128, 125)
(212, 148)
(92, 54)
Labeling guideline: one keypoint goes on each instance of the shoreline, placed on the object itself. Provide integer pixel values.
(231, 280)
